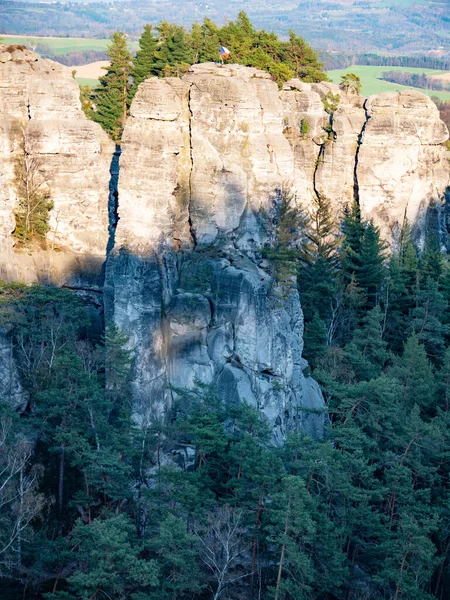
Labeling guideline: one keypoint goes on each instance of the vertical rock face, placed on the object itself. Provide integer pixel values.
(190, 289)
(335, 176)
(303, 105)
(155, 167)
(240, 156)
(41, 116)
(402, 166)
(11, 391)
(204, 159)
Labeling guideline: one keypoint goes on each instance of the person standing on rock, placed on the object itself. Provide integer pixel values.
(224, 53)
(270, 151)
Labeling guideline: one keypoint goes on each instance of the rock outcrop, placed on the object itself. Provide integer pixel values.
(204, 161)
(191, 289)
(41, 117)
(11, 390)
(402, 166)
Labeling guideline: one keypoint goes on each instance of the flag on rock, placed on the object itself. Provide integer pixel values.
(224, 52)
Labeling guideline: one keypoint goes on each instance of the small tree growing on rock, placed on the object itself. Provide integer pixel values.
(350, 80)
(304, 129)
(34, 201)
(286, 230)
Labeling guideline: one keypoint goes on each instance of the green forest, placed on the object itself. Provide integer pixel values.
(91, 508)
(416, 80)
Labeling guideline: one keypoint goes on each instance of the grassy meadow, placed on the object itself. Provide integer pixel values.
(86, 81)
(58, 45)
(372, 84)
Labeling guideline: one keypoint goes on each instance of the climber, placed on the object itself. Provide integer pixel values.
(224, 53)
(270, 151)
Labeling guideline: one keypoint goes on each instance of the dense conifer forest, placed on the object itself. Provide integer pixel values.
(203, 505)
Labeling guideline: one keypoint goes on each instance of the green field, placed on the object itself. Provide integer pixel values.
(85, 81)
(58, 45)
(372, 84)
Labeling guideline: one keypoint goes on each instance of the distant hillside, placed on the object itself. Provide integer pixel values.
(389, 26)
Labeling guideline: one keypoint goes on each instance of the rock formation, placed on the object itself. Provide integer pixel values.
(204, 160)
(41, 116)
(212, 159)
(402, 166)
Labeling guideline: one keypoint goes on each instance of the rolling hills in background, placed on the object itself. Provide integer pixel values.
(386, 26)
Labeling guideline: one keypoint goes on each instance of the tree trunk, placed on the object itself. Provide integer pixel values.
(255, 533)
(61, 485)
(19, 522)
(283, 550)
(401, 573)
(124, 116)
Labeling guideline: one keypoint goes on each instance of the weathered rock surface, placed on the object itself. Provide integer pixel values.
(189, 289)
(335, 175)
(204, 158)
(11, 391)
(240, 156)
(40, 114)
(402, 166)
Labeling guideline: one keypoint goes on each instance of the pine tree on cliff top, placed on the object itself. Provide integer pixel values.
(111, 99)
(174, 55)
(144, 61)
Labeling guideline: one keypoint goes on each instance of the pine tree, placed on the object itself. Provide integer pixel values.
(302, 59)
(110, 562)
(204, 41)
(176, 553)
(367, 352)
(415, 373)
(352, 231)
(427, 320)
(352, 81)
(431, 262)
(144, 61)
(399, 295)
(315, 340)
(174, 54)
(112, 97)
(371, 273)
(292, 532)
(287, 231)
(318, 262)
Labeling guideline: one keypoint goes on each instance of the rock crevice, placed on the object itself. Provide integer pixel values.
(358, 147)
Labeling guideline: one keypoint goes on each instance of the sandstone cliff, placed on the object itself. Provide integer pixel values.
(402, 166)
(204, 157)
(41, 116)
(186, 281)
(203, 160)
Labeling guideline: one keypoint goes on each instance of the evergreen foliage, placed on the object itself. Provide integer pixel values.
(144, 61)
(173, 55)
(168, 50)
(111, 99)
(352, 81)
